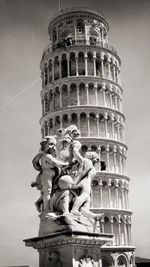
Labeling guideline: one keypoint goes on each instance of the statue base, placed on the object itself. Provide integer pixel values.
(69, 248)
(54, 222)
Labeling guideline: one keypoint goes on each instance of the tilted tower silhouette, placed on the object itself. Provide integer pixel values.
(81, 85)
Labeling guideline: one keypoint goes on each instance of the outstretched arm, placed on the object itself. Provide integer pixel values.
(56, 162)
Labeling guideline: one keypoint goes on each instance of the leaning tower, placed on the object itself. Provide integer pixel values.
(81, 85)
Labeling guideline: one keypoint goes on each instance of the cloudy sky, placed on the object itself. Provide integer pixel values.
(23, 35)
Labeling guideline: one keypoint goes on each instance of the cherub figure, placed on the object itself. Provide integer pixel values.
(45, 162)
(65, 137)
(86, 172)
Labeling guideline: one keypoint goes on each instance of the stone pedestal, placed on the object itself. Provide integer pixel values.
(69, 248)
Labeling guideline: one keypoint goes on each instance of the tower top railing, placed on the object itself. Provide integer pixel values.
(79, 42)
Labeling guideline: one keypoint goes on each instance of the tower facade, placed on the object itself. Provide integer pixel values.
(81, 85)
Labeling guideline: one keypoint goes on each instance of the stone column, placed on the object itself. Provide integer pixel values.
(60, 68)
(88, 124)
(68, 66)
(60, 97)
(109, 73)
(125, 234)
(115, 161)
(111, 100)
(119, 226)
(78, 97)
(102, 65)
(101, 193)
(118, 131)
(61, 125)
(95, 87)
(86, 69)
(105, 121)
(99, 156)
(78, 116)
(104, 97)
(77, 67)
(113, 71)
(52, 70)
(97, 123)
(127, 197)
(102, 36)
(130, 236)
(69, 96)
(94, 64)
(112, 126)
(102, 222)
(122, 198)
(125, 161)
(123, 131)
(112, 225)
(116, 107)
(87, 93)
(109, 193)
(69, 118)
(117, 197)
(107, 155)
(120, 162)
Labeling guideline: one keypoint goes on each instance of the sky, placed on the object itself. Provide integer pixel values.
(23, 36)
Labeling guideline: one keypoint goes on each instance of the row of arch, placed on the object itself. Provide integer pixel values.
(80, 64)
(112, 157)
(82, 94)
(107, 194)
(121, 260)
(91, 124)
(120, 226)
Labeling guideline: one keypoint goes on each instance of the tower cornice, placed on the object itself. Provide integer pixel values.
(77, 12)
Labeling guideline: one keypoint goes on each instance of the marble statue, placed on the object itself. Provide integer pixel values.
(48, 165)
(65, 177)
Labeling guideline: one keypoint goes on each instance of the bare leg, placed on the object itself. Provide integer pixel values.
(78, 203)
(46, 199)
(65, 205)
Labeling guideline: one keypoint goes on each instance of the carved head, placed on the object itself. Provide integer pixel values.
(72, 131)
(65, 182)
(48, 144)
(92, 155)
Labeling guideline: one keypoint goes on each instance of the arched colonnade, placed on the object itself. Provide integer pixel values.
(81, 63)
(81, 94)
(120, 226)
(91, 124)
(110, 193)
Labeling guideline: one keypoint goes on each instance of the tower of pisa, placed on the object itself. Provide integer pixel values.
(81, 85)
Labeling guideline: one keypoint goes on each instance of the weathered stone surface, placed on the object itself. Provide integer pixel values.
(53, 223)
(69, 248)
